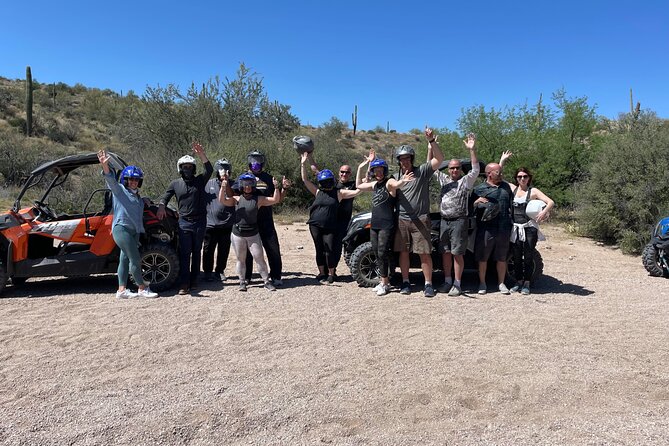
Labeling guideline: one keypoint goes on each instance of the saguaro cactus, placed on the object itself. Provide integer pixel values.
(29, 102)
(354, 119)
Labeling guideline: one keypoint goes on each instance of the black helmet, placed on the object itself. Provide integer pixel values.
(256, 156)
(405, 150)
(223, 164)
(303, 144)
(490, 210)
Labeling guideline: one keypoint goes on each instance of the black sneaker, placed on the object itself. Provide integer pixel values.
(429, 290)
(242, 285)
(321, 277)
(406, 288)
(331, 280)
(208, 276)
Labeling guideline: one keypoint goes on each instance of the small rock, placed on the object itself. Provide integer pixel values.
(570, 243)
(571, 257)
(548, 247)
(300, 247)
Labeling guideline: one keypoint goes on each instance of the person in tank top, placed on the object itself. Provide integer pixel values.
(323, 218)
(525, 232)
(384, 216)
(245, 232)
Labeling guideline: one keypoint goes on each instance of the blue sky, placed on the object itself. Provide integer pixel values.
(410, 63)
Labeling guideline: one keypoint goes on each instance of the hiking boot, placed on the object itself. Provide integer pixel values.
(444, 287)
(146, 292)
(483, 289)
(382, 290)
(125, 294)
(429, 290)
(270, 286)
(455, 291)
(406, 288)
(242, 285)
(503, 289)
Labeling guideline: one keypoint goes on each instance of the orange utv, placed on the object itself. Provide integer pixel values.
(60, 225)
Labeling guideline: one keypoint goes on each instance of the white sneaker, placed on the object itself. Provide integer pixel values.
(146, 292)
(377, 287)
(483, 288)
(383, 290)
(125, 294)
(503, 289)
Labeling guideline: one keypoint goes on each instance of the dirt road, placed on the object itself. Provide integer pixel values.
(583, 360)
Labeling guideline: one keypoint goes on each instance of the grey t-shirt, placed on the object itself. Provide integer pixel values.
(413, 199)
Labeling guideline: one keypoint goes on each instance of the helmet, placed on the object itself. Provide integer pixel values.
(326, 179)
(303, 144)
(405, 150)
(490, 210)
(131, 172)
(378, 162)
(223, 164)
(533, 208)
(186, 159)
(256, 157)
(246, 179)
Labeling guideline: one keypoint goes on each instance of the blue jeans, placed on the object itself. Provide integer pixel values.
(128, 241)
(191, 236)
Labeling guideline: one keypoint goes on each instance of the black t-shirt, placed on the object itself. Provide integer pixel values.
(346, 205)
(246, 217)
(323, 211)
(191, 196)
(383, 207)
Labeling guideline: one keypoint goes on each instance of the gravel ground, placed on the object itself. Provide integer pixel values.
(583, 360)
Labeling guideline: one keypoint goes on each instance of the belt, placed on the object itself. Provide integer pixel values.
(452, 219)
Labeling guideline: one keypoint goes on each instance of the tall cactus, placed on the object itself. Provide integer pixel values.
(354, 119)
(29, 102)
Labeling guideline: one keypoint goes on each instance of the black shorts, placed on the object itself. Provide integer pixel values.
(492, 242)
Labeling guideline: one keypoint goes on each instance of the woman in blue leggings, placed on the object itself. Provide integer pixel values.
(127, 225)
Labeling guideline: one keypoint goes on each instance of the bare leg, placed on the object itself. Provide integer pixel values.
(459, 267)
(501, 271)
(404, 265)
(426, 266)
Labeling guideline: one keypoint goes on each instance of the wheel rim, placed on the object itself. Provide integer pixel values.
(368, 267)
(155, 268)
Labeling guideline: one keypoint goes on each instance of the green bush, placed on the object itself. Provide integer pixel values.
(628, 186)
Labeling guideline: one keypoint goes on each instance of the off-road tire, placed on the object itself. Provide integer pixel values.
(160, 265)
(651, 261)
(538, 266)
(363, 266)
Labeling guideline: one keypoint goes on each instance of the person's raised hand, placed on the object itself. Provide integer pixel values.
(470, 141)
(103, 157)
(197, 148)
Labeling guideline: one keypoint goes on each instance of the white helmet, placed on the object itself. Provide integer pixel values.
(186, 159)
(533, 208)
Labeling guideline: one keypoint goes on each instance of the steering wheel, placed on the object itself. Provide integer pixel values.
(43, 211)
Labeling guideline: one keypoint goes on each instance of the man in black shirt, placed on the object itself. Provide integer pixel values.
(191, 200)
(345, 210)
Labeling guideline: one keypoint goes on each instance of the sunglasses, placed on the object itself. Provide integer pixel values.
(344, 171)
(522, 177)
(454, 168)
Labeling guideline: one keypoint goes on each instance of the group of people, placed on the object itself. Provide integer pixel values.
(218, 211)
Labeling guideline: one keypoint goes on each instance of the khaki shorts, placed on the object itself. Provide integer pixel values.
(414, 236)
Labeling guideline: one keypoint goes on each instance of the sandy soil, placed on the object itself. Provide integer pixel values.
(583, 360)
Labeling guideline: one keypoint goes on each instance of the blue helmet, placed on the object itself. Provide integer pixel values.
(131, 172)
(378, 162)
(326, 179)
(247, 179)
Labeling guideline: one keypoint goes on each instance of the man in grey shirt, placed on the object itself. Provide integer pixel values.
(453, 234)
(413, 200)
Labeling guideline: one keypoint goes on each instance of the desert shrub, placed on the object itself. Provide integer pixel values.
(628, 186)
